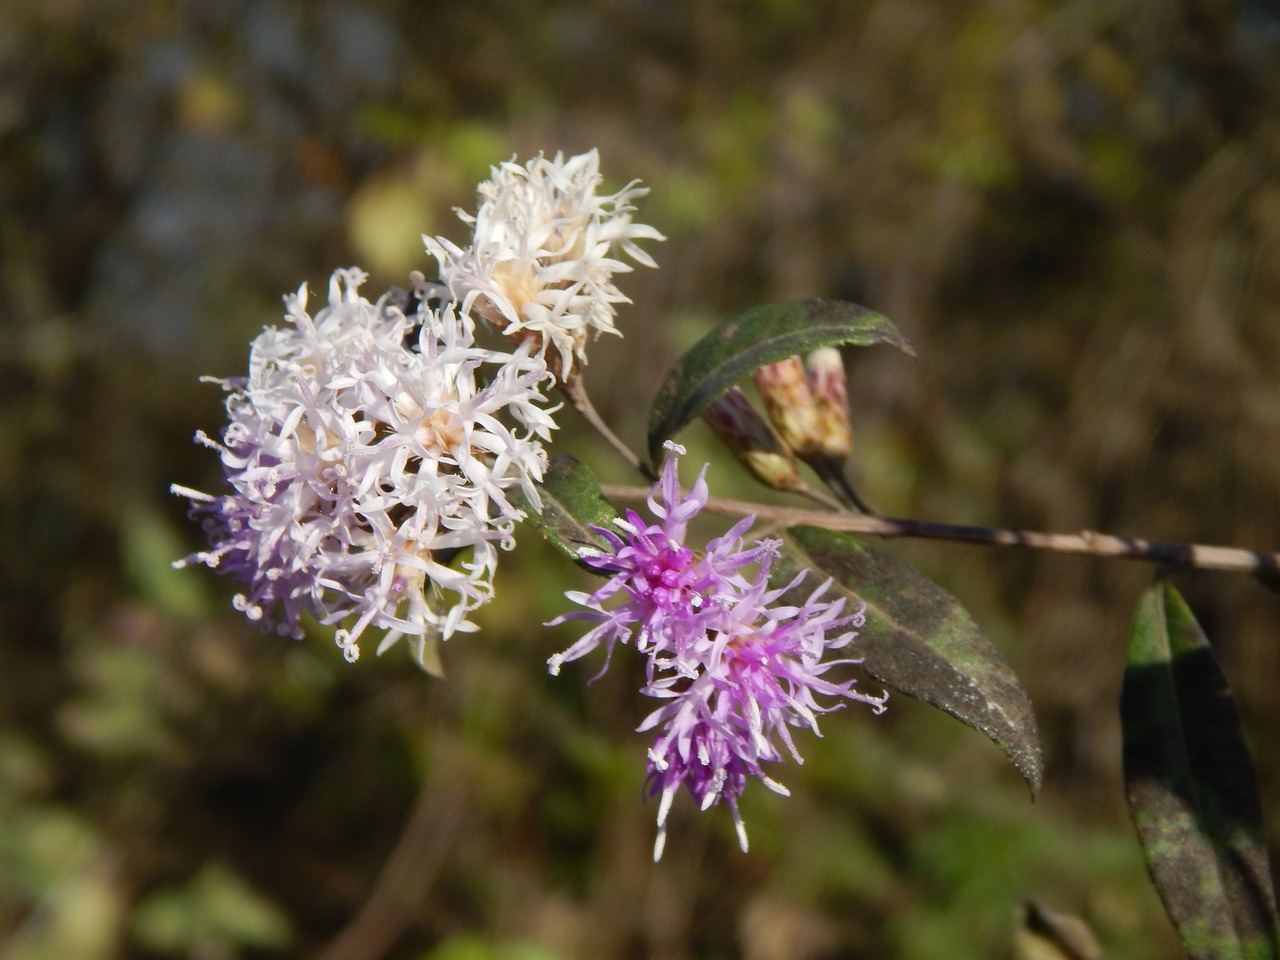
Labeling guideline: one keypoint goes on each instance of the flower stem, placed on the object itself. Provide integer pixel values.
(1087, 542)
(818, 497)
(576, 394)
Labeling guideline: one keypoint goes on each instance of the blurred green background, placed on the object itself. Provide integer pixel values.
(1073, 210)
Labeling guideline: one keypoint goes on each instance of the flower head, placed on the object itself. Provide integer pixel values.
(363, 452)
(668, 590)
(762, 673)
(737, 666)
(542, 257)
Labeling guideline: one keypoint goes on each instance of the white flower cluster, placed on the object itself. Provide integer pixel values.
(373, 448)
(541, 261)
(362, 453)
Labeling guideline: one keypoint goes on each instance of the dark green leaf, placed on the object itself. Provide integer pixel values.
(920, 641)
(571, 504)
(1191, 788)
(761, 335)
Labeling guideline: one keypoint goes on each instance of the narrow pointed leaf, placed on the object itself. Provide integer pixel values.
(1192, 794)
(571, 504)
(751, 339)
(919, 640)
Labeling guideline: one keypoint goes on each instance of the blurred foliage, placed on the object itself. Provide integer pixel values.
(1073, 211)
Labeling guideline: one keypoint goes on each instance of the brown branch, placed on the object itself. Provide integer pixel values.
(1087, 542)
(406, 878)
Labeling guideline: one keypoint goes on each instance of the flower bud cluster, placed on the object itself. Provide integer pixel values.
(753, 441)
(809, 404)
(808, 418)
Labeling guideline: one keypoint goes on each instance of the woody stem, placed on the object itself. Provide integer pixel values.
(1087, 542)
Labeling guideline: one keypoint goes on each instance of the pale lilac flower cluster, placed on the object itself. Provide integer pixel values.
(541, 261)
(372, 449)
(736, 668)
(363, 451)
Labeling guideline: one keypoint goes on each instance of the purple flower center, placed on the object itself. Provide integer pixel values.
(667, 577)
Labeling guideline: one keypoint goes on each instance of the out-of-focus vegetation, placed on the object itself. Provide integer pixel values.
(1073, 210)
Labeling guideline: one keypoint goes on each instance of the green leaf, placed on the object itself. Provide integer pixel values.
(920, 641)
(753, 338)
(1191, 789)
(571, 504)
(210, 915)
(148, 545)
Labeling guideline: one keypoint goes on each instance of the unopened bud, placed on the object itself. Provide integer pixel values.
(752, 441)
(823, 442)
(785, 391)
(829, 387)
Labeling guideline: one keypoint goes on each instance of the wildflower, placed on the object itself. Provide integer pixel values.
(362, 453)
(761, 674)
(669, 590)
(737, 667)
(541, 261)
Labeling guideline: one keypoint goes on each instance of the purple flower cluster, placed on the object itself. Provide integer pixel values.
(736, 669)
